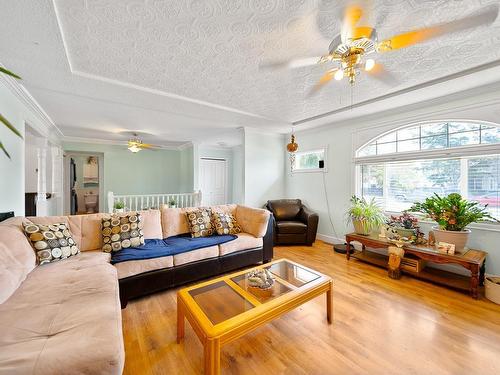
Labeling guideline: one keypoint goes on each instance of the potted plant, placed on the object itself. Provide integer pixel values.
(119, 207)
(366, 216)
(453, 214)
(406, 225)
(172, 203)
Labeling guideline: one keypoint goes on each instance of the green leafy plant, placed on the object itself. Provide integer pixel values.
(119, 206)
(367, 213)
(172, 202)
(452, 213)
(3, 120)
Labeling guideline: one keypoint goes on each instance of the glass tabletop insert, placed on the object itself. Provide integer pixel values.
(219, 301)
(292, 273)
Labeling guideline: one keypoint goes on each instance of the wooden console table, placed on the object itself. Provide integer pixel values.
(472, 260)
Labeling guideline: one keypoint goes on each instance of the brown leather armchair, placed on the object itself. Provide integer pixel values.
(293, 222)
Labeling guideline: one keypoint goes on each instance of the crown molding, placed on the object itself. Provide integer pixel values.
(45, 126)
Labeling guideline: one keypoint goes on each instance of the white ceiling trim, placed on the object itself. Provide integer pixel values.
(120, 143)
(48, 127)
(142, 88)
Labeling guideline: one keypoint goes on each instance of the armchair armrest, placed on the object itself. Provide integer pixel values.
(311, 219)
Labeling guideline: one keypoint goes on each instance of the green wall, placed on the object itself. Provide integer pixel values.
(145, 172)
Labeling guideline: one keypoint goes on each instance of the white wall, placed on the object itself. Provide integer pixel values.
(343, 138)
(19, 108)
(238, 188)
(264, 167)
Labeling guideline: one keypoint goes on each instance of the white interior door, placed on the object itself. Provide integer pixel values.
(213, 181)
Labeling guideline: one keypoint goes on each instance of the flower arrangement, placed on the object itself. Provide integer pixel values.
(452, 213)
(405, 221)
(365, 215)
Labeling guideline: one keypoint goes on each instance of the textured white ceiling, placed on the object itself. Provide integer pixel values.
(211, 50)
(184, 70)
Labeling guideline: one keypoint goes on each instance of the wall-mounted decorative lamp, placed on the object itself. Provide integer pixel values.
(292, 148)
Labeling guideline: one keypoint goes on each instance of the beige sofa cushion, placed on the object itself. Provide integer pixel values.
(252, 220)
(195, 255)
(245, 241)
(18, 259)
(227, 208)
(136, 267)
(65, 318)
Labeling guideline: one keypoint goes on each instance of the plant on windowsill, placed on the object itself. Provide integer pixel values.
(3, 120)
(453, 214)
(172, 203)
(119, 207)
(366, 216)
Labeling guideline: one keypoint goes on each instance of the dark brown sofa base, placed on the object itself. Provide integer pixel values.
(155, 281)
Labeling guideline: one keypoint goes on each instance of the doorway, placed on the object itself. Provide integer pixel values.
(83, 183)
(213, 181)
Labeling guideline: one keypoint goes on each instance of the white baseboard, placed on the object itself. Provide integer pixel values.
(329, 239)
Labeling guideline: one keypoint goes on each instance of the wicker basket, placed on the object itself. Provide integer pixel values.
(492, 289)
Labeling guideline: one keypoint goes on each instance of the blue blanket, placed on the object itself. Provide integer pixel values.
(169, 246)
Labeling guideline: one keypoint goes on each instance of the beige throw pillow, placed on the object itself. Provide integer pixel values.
(200, 222)
(51, 242)
(122, 231)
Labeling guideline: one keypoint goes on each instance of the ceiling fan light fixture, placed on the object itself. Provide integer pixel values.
(339, 74)
(369, 64)
(134, 148)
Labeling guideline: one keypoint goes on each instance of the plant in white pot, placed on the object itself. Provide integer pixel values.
(119, 207)
(366, 216)
(453, 214)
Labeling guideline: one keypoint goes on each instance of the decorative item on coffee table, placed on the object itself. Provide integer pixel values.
(453, 214)
(261, 281)
(366, 216)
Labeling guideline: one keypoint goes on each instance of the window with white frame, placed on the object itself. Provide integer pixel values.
(412, 163)
(309, 161)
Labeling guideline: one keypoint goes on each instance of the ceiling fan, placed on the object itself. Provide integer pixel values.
(352, 50)
(135, 144)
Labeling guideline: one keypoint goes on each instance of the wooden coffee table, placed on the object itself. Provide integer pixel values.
(226, 308)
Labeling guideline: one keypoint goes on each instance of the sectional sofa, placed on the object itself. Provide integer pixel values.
(65, 317)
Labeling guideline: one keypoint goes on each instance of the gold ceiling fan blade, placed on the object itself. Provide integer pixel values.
(290, 64)
(148, 146)
(351, 17)
(380, 73)
(327, 77)
(484, 17)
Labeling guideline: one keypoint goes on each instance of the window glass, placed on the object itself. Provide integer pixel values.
(409, 145)
(456, 127)
(464, 139)
(386, 148)
(434, 129)
(490, 135)
(409, 133)
(434, 142)
(432, 137)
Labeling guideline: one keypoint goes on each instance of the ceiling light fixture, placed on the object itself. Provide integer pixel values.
(339, 74)
(134, 148)
(369, 64)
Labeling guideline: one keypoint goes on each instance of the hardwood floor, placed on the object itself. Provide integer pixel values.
(380, 326)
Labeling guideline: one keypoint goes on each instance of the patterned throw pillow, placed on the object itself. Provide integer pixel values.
(200, 222)
(225, 223)
(122, 231)
(51, 242)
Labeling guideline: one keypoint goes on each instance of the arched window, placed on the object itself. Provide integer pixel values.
(411, 163)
